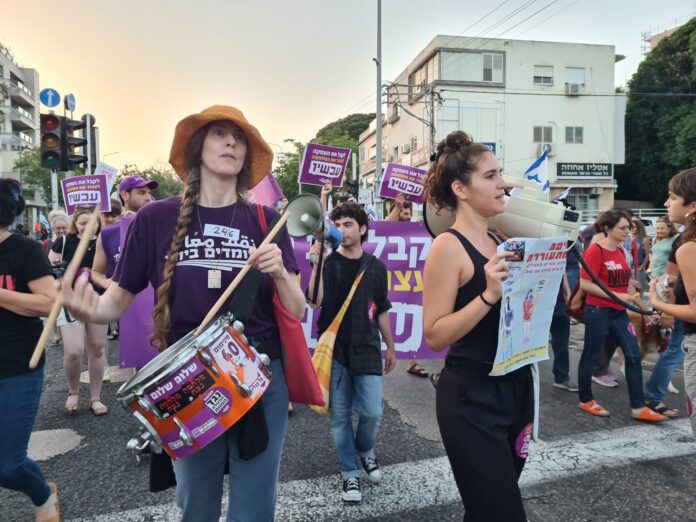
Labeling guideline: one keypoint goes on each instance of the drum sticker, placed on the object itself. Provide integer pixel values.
(218, 400)
(203, 427)
(232, 356)
(181, 389)
(522, 442)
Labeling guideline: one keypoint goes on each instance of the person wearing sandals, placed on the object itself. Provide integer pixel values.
(27, 292)
(219, 155)
(485, 421)
(77, 335)
(681, 209)
(604, 316)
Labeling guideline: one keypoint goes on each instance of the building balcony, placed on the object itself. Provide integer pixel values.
(20, 94)
(21, 119)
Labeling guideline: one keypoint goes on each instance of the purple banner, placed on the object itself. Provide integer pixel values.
(86, 191)
(402, 179)
(402, 247)
(136, 324)
(322, 163)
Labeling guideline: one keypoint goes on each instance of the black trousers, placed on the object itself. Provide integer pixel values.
(485, 423)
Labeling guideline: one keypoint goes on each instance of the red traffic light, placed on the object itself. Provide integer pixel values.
(50, 122)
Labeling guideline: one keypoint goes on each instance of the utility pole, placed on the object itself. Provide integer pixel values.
(432, 120)
(378, 135)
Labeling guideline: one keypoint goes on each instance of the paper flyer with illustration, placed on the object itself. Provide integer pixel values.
(529, 297)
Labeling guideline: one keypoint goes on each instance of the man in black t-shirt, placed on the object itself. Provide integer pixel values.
(356, 372)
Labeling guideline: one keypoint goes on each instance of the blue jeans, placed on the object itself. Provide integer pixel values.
(670, 360)
(362, 393)
(20, 396)
(573, 274)
(560, 337)
(253, 483)
(599, 322)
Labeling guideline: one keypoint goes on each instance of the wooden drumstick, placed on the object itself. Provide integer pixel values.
(50, 323)
(226, 294)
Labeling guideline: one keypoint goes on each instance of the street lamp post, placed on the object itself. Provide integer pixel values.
(108, 154)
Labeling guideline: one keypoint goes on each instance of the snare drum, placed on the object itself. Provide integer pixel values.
(191, 393)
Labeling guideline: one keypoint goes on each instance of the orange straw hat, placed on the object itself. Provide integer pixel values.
(261, 153)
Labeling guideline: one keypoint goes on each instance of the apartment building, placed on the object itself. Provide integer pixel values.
(520, 98)
(19, 122)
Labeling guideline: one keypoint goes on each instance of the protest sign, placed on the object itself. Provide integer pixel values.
(109, 173)
(401, 179)
(529, 297)
(402, 247)
(85, 191)
(322, 163)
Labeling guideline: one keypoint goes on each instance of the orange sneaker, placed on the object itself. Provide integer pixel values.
(594, 408)
(648, 415)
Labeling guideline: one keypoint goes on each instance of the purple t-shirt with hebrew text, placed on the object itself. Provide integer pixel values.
(111, 238)
(220, 241)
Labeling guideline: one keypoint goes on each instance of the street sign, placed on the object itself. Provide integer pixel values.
(69, 102)
(49, 97)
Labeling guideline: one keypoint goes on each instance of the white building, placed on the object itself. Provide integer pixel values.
(19, 121)
(517, 96)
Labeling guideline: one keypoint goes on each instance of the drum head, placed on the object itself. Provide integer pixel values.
(437, 221)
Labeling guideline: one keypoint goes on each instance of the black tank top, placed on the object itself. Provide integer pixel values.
(480, 344)
(681, 298)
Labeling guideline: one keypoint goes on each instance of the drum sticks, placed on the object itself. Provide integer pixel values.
(216, 307)
(50, 323)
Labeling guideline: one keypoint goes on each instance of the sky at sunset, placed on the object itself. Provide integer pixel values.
(292, 67)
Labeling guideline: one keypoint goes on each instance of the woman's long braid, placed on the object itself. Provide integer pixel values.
(161, 312)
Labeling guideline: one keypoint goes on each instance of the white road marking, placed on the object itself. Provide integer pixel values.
(48, 443)
(419, 484)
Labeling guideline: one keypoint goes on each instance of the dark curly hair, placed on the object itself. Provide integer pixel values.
(350, 209)
(11, 201)
(456, 158)
(683, 184)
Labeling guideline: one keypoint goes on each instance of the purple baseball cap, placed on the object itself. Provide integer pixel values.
(132, 182)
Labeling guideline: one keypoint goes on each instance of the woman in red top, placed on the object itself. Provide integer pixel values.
(608, 261)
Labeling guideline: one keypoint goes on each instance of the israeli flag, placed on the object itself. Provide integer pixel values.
(371, 212)
(562, 195)
(539, 171)
(43, 219)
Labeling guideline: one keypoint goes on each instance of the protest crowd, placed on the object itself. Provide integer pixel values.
(168, 262)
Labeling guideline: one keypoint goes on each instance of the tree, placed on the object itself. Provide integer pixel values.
(660, 128)
(344, 132)
(169, 183)
(36, 177)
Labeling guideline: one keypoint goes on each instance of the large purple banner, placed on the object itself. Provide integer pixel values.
(322, 163)
(402, 247)
(402, 179)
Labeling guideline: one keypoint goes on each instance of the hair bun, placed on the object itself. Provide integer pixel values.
(456, 141)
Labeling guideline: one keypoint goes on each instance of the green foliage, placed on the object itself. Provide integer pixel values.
(169, 183)
(35, 177)
(344, 132)
(660, 130)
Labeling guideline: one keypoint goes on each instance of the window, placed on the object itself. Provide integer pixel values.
(414, 143)
(575, 75)
(395, 154)
(419, 80)
(361, 154)
(543, 75)
(543, 134)
(472, 67)
(573, 134)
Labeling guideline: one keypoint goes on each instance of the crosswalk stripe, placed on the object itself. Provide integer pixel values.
(415, 485)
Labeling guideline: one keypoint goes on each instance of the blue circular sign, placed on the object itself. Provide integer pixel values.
(69, 102)
(49, 97)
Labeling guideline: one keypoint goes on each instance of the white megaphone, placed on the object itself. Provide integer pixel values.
(528, 214)
(307, 217)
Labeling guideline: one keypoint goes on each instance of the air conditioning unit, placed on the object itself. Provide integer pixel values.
(573, 89)
(596, 190)
(550, 147)
(406, 148)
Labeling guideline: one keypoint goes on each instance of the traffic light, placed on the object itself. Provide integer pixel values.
(92, 147)
(353, 187)
(51, 141)
(71, 142)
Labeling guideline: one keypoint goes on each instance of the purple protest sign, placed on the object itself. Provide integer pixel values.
(402, 247)
(322, 163)
(402, 179)
(136, 324)
(86, 191)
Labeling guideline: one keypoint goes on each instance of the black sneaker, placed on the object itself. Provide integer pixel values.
(371, 467)
(567, 385)
(351, 490)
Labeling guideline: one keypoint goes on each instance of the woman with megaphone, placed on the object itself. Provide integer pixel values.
(485, 421)
(191, 248)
